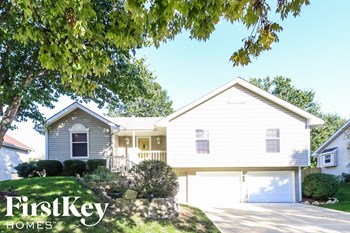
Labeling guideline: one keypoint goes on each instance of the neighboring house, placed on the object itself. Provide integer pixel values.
(235, 144)
(12, 153)
(333, 156)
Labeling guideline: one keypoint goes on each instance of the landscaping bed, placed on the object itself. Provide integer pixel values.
(40, 189)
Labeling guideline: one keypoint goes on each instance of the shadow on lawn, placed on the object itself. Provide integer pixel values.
(190, 219)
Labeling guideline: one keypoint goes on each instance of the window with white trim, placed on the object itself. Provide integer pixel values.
(79, 141)
(202, 141)
(329, 157)
(272, 141)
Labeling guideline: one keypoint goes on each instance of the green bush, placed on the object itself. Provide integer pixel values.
(73, 167)
(320, 186)
(154, 179)
(26, 169)
(51, 167)
(344, 178)
(93, 164)
(101, 174)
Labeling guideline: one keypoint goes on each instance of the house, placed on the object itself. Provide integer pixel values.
(12, 153)
(236, 144)
(333, 156)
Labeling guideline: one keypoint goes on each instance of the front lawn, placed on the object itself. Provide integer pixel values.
(343, 195)
(49, 188)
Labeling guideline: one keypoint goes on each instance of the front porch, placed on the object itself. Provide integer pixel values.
(133, 145)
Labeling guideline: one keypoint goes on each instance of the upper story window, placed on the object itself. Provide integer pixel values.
(329, 157)
(79, 141)
(202, 141)
(273, 141)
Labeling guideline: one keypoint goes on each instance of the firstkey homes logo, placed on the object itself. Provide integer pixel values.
(61, 206)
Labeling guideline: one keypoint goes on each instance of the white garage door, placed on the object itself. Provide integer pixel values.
(214, 188)
(182, 194)
(272, 186)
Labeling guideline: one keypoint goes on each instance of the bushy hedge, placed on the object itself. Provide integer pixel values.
(26, 169)
(320, 186)
(101, 174)
(93, 164)
(51, 167)
(154, 179)
(73, 167)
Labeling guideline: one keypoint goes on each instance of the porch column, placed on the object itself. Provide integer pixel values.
(134, 144)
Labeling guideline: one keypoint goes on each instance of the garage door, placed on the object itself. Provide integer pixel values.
(273, 186)
(214, 188)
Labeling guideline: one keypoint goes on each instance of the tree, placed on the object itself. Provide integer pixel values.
(79, 47)
(332, 122)
(156, 104)
(282, 87)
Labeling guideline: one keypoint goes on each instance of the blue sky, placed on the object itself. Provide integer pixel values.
(313, 51)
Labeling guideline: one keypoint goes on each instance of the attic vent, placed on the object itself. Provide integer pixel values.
(235, 102)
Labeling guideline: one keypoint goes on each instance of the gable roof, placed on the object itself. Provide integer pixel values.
(313, 120)
(15, 144)
(73, 107)
(331, 139)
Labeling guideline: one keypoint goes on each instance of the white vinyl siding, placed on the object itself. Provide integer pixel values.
(341, 158)
(237, 120)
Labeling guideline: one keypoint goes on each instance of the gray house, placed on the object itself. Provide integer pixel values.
(333, 156)
(238, 142)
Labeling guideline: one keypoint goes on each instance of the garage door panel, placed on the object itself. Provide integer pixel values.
(214, 188)
(270, 186)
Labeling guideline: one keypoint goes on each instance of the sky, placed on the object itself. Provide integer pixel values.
(313, 50)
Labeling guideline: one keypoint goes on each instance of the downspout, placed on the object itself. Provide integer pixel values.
(46, 144)
(300, 187)
(308, 143)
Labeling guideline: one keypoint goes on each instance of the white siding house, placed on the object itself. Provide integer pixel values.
(12, 153)
(333, 157)
(236, 144)
(239, 144)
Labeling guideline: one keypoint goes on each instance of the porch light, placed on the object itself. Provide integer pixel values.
(127, 141)
(158, 140)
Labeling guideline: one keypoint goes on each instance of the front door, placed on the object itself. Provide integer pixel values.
(143, 144)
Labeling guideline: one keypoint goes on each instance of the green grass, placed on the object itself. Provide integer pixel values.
(49, 188)
(343, 195)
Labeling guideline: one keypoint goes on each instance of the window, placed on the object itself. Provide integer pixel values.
(329, 157)
(79, 141)
(273, 141)
(202, 141)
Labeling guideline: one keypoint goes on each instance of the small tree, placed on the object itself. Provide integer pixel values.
(154, 179)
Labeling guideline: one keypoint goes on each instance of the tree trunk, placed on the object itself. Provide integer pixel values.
(8, 117)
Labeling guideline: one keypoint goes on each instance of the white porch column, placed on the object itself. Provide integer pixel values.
(134, 144)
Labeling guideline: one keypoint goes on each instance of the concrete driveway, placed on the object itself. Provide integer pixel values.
(283, 218)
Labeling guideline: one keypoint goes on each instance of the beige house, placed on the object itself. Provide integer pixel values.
(236, 144)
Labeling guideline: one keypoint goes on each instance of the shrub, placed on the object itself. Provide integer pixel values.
(101, 174)
(344, 178)
(26, 169)
(320, 186)
(73, 167)
(93, 164)
(154, 179)
(51, 167)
